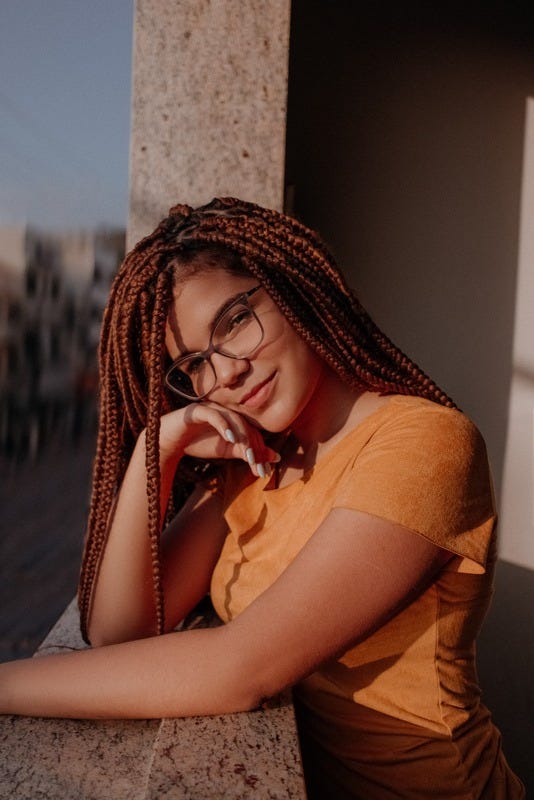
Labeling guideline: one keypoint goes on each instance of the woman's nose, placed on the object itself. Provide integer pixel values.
(227, 369)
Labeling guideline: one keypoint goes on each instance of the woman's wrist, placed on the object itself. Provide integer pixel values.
(170, 453)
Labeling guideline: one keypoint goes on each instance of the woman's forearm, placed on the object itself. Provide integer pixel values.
(123, 602)
(179, 674)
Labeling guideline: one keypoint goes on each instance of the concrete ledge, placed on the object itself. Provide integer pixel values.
(228, 757)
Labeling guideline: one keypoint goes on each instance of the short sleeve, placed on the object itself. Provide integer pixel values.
(426, 468)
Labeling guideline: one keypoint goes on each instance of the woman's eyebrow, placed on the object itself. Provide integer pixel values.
(173, 323)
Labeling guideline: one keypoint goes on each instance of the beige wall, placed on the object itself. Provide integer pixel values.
(517, 500)
(405, 149)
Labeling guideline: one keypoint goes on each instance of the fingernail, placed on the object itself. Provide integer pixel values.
(249, 454)
(229, 436)
(268, 470)
(277, 458)
(261, 470)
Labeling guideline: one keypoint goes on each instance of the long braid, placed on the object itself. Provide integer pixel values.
(299, 273)
(155, 395)
(131, 359)
(293, 265)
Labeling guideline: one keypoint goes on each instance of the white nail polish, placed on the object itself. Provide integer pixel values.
(261, 470)
(229, 436)
(251, 458)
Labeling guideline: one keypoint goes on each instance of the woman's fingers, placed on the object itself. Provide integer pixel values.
(207, 430)
(248, 445)
(258, 455)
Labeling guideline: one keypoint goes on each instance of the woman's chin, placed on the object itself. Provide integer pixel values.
(269, 420)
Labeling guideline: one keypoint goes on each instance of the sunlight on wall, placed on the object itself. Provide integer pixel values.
(517, 502)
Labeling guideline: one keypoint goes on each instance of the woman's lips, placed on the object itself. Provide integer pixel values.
(259, 394)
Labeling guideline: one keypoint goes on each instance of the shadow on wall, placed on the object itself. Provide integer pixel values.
(506, 666)
(405, 148)
(405, 145)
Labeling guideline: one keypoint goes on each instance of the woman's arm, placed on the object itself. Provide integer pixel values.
(122, 605)
(355, 572)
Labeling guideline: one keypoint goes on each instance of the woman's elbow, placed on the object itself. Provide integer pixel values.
(241, 696)
(250, 687)
(103, 635)
(99, 638)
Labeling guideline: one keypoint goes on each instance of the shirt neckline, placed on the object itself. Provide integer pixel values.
(307, 474)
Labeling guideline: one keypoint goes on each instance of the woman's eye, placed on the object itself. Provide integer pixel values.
(237, 319)
(193, 366)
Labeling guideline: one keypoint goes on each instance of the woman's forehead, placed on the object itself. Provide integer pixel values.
(197, 302)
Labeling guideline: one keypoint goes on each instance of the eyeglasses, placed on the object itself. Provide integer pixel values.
(237, 332)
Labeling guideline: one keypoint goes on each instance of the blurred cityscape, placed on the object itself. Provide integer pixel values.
(53, 290)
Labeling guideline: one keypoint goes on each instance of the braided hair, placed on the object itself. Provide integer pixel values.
(298, 272)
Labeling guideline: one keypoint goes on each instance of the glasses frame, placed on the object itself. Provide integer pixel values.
(243, 299)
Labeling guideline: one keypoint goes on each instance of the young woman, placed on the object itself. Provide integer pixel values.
(340, 515)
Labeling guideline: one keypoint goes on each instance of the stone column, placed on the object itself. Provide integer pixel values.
(209, 104)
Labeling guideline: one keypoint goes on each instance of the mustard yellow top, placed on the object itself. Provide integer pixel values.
(399, 714)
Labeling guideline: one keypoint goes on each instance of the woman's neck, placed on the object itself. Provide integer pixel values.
(333, 411)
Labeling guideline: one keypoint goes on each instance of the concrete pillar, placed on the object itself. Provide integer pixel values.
(209, 104)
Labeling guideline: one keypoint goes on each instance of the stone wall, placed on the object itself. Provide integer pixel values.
(209, 104)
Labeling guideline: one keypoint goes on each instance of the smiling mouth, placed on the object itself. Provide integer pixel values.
(259, 394)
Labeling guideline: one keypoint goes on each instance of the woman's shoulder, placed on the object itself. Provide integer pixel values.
(425, 466)
(405, 429)
(417, 417)
(418, 442)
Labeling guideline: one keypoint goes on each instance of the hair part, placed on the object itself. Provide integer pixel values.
(198, 258)
(299, 273)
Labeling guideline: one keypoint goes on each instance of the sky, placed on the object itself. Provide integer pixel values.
(65, 85)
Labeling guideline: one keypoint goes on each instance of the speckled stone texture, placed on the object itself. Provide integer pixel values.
(209, 104)
(248, 755)
(232, 756)
(208, 118)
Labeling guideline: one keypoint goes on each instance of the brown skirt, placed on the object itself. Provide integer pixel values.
(371, 756)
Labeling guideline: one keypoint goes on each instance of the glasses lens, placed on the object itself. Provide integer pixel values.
(193, 377)
(238, 332)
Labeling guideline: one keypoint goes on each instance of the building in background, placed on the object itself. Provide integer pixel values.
(53, 291)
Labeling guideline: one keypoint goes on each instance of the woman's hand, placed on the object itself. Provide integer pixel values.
(210, 431)
(204, 430)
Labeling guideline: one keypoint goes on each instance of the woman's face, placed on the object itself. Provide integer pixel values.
(273, 385)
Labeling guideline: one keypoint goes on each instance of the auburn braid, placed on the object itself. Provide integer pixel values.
(296, 269)
(131, 357)
(155, 398)
(290, 262)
